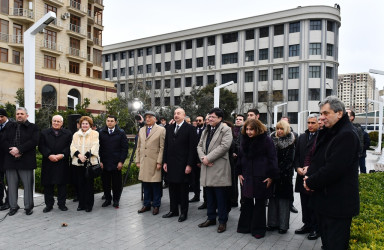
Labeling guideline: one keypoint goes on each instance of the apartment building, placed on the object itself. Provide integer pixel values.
(68, 52)
(287, 56)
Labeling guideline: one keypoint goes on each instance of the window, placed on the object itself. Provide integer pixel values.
(157, 101)
(249, 56)
(140, 52)
(178, 64)
(293, 73)
(50, 62)
(199, 62)
(140, 69)
(278, 52)
(122, 71)
(330, 26)
(294, 27)
(188, 81)
(16, 57)
(157, 84)
(74, 45)
(278, 74)
(74, 95)
(167, 83)
(199, 42)
(178, 46)
(262, 96)
(248, 97)
(248, 76)
(315, 24)
(122, 88)
(294, 50)
(293, 94)
(131, 71)
(97, 54)
(123, 55)
(188, 44)
(263, 75)
(158, 67)
(158, 49)
(96, 74)
(278, 96)
(131, 54)
(315, 48)
(229, 58)
(107, 58)
(314, 71)
(74, 24)
(168, 48)
(114, 72)
(106, 74)
(148, 51)
(211, 40)
(4, 6)
(329, 72)
(48, 8)
(278, 29)
(177, 82)
(149, 68)
(228, 77)
(250, 34)
(177, 100)
(199, 80)
(74, 67)
(167, 101)
(148, 84)
(292, 116)
(313, 94)
(114, 55)
(329, 49)
(328, 92)
(264, 32)
(188, 63)
(48, 96)
(263, 54)
(210, 79)
(230, 37)
(167, 66)
(211, 60)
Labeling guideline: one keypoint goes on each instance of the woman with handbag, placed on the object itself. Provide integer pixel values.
(85, 154)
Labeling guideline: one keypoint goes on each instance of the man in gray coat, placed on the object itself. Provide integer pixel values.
(215, 168)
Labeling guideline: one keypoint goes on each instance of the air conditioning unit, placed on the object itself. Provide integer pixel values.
(63, 16)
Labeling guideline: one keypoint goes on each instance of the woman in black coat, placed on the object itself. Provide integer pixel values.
(279, 204)
(54, 146)
(256, 167)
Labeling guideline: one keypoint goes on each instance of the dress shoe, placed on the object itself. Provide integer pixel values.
(12, 211)
(170, 214)
(115, 204)
(144, 209)
(203, 206)
(63, 208)
(88, 210)
(106, 203)
(282, 231)
(222, 228)
(313, 235)
(194, 199)
(182, 218)
(47, 209)
(258, 236)
(29, 211)
(4, 207)
(80, 208)
(303, 230)
(293, 209)
(155, 211)
(270, 228)
(207, 223)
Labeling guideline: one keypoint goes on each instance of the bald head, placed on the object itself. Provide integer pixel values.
(179, 115)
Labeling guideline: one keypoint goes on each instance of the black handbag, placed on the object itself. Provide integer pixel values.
(96, 169)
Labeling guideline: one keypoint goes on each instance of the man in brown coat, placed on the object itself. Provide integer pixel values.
(149, 158)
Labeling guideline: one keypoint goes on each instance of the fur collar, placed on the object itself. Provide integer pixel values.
(81, 133)
(283, 142)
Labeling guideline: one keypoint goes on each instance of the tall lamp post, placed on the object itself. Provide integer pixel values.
(275, 113)
(216, 93)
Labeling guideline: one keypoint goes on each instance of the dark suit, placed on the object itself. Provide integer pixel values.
(2, 171)
(179, 152)
(195, 180)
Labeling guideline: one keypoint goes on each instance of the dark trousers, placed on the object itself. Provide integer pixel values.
(113, 177)
(152, 193)
(308, 215)
(234, 189)
(195, 181)
(252, 216)
(178, 194)
(3, 188)
(363, 168)
(85, 185)
(335, 232)
(218, 194)
(61, 195)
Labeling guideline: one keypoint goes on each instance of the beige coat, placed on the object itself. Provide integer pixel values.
(219, 175)
(149, 153)
(85, 142)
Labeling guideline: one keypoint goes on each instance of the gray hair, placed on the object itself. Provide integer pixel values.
(23, 109)
(317, 116)
(335, 103)
(58, 116)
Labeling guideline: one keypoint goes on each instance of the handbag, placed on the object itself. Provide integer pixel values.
(96, 169)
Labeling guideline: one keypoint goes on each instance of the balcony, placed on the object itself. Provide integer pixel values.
(97, 41)
(76, 54)
(16, 41)
(51, 47)
(56, 25)
(4, 37)
(89, 60)
(89, 38)
(76, 31)
(99, 3)
(99, 23)
(76, 8)
(24, 16)
(57, 3)
(91, 18)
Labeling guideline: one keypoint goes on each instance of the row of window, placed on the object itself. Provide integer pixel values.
(49, 97)
(4, 56)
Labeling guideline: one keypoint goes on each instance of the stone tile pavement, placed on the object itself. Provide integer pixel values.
(124, 228)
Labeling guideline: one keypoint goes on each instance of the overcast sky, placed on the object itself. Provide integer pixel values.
(361, 34)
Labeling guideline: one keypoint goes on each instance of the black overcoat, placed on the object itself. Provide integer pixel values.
(52, 144)
(113, 148)
(2, 151)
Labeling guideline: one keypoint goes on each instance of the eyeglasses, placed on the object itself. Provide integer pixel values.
(198, 120)
(213, 117)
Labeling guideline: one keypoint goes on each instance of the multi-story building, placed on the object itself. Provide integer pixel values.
(354, 89)
(68, 52)
(287, 56)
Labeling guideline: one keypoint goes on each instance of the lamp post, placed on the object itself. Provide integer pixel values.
(381, 105)
(275, 113)
(216, 93)
(299, 120)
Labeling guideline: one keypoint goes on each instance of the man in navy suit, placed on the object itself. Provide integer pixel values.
(179, 157)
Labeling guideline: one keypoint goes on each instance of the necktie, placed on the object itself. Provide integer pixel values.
(110, 131)
(310, 136)
(1, 126)
(148, 131)
(177, 129)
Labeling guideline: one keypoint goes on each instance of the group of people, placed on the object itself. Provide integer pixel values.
(211, 153)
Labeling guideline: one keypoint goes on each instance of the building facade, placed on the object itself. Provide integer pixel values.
(288, 56)
(68, 52)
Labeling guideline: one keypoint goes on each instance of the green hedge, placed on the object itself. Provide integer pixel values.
(367, 230)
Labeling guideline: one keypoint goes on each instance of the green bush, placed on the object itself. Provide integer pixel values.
(367, 229)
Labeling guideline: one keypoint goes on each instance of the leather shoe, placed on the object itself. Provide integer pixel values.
(155, 211)
(222, 228)
(170, 214)
(63, 208)
(47, 209)
(80, 209)
(293, 209)
(88, 210)
(106, 203)
(28, 211)
(144, 209)
(182, 218)
(282, 231)
(207, 223)
(115, 204)
(13, 211)
(194, 199)
(313, 235)
(270, 228)
(4, 207)
(302, 230)
(203, 206)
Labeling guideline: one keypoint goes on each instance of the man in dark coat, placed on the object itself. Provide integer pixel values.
(113, 152)
(333, 175)
(54, 146)
(179, 157)
(303, 154)
(3, 122)
(19, 143)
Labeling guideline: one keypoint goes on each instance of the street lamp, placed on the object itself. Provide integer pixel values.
(216, 93)
(275, 113)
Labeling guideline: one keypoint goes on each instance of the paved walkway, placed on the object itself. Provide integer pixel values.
(124, 228)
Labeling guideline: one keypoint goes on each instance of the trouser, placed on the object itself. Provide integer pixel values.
(61, 195)
(26, 177)
(234, 190)
(218, 194)
(3, 188)
(335, 232)
(113, 177)
(85, 185)
(278, 213)
(178, 194)
(195, 181)
(152, 193)
(308, 214)
(363, 168)
(252, 216)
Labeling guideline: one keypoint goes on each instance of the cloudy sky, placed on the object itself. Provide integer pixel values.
(361, 33)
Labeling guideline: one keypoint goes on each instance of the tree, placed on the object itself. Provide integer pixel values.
(20, 97)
